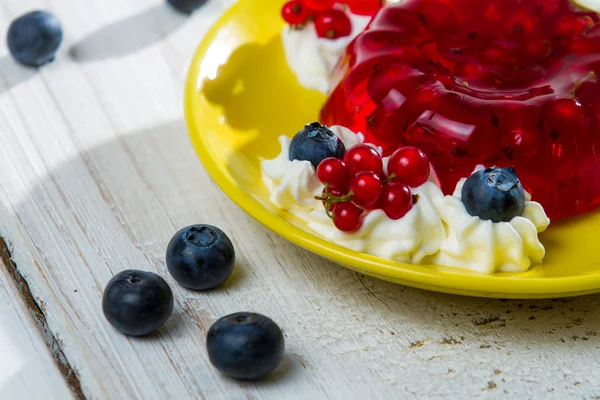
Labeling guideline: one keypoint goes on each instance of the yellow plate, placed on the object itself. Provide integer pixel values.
(241, 95)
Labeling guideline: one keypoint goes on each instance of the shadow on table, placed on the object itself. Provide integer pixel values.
(115, 40)
(12, 73)
(129, 35)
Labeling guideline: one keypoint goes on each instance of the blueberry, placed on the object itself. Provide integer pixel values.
(315, 143)
(34, 38)
(200, 257)
(494, 194)
(245, 345)
(137, 303)
(187, 6)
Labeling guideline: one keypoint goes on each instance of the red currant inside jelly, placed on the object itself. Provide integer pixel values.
(492, 82)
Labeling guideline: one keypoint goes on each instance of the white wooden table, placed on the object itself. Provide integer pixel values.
(97, 173)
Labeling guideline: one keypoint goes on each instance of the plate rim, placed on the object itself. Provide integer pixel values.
(479, 285)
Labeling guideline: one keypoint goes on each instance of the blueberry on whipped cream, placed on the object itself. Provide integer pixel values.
(494, 194)
(491, 225)
(314, 143)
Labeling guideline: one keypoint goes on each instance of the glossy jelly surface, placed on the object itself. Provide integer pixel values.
(494, 82)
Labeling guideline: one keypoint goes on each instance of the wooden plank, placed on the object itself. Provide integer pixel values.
(27, 368)
(98, 173)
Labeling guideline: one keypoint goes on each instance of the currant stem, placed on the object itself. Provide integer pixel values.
(389, 178)
(329, 199)
(580, 82)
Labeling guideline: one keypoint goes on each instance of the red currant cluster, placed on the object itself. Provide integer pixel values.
(358, 183)
(330, 22)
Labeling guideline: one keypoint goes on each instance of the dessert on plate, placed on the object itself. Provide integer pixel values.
(451, 128)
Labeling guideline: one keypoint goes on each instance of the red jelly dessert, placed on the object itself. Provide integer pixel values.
(492, 82)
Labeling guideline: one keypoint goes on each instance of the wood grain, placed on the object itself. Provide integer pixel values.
(98, 173)
(27, 369)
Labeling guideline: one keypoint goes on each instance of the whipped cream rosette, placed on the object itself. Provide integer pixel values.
(485, 246)
(293, 185)
(313, 58)
(409, 239)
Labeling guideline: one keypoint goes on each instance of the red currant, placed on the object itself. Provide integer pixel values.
(361, 158)
(319, 5)
(410, 166)
(564, 114)
(346, 217)
(572, 25)
(333, 24)
(333, 171)
(396, 199)
(366, 188)
(294, 12)
(364, 7)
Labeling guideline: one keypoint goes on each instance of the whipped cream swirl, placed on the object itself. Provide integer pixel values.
(293, 185)
(409, 239)
(313, 58)
(486, 246)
